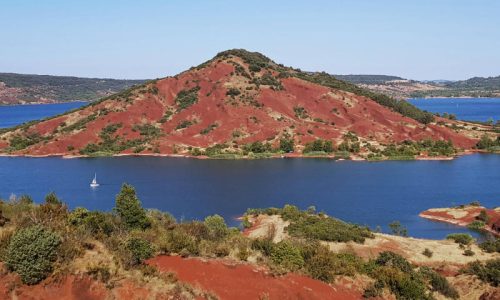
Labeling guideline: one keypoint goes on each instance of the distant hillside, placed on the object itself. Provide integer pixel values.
(239, 104)
(402, 88)
(367, 79)
(26, 88)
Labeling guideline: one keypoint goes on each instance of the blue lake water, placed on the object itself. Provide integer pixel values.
(475, 109)
(17, 114)
(367, 193)
(372, 194)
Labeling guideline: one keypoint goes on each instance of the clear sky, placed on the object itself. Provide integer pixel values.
(424, 39)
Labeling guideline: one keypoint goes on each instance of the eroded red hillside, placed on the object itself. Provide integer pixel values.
(229, 101)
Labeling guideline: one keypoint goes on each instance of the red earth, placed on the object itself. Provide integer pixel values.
(258, 113)
(229, 280)
(463, 216)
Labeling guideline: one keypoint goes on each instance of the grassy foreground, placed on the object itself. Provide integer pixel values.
(38, 241)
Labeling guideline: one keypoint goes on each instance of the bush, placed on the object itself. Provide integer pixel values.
(286, 145)
(488, 272)
(186, 98)
(217, 228)
(99, 223)
(483, 217)
(427, 252)
(327, 229)
(460, 238)
(319, 145)
(439, 283)
(388, 258)
(140, 250)
(31, 253)
(490, 245)
(476, 225)
(468, 252)
(178, 241)
(52, 199)
(287, 256)
(129, 208)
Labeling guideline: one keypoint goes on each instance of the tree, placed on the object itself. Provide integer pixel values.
(286, 145)
(130, 209)
(31, 253)
(398, 229)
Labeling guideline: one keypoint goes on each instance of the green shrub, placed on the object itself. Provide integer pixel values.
(439, 283)
(217, 228)
(488, 271)
(287, 256)
(483, 216)
(327, 229)
(286, 145)
(78, 216)
(52, 198)
(460, 238)
(186, 98)
(184, 124)
(140, 250)
(263, 245)
(300, 112)
(99, 223)
(178, 241)
(391, 259)
(427, 252)
(490, 245)
(476, 225)
(318, 146)
(468, 252)
(233, 92)
(129, 208)
(31, 253)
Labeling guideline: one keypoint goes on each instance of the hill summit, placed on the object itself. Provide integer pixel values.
(237, 103)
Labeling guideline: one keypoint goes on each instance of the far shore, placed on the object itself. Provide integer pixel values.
(277, 156)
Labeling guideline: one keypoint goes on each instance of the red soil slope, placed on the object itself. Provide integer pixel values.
(242, 281)
(260, 112)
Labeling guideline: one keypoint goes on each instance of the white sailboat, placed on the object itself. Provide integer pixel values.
(94, 183)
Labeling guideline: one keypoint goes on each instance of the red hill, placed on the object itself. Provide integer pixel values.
(224, 105)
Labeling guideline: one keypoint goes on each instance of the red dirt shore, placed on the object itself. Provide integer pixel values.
(462, 216)
(229, 280)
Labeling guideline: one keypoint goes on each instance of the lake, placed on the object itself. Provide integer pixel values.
(369, 193)
(17, 114)
(473, 109)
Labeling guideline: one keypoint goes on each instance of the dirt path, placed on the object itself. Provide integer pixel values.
(230, 280)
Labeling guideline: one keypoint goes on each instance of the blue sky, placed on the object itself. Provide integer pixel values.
(438, 39)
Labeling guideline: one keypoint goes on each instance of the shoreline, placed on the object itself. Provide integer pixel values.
(462, 216)
(278, 156)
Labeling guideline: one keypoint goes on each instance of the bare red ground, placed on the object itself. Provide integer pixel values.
(471, 213)
(332, 113)
(70, 288)
(76, 288)
(242, 281)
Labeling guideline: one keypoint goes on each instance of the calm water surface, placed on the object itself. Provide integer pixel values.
(17, 114)
(474, 109)
(367, 193)
(373, 194)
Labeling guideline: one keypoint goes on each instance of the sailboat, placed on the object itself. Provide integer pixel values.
(94, 183)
